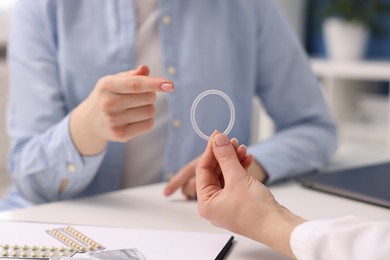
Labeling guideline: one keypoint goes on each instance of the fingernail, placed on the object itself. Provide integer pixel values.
(221, 140)
(168, 191)
(242, 146)
(235, 140)
(213, 134)
(167, 87)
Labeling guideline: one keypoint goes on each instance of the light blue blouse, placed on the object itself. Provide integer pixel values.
(59, 49)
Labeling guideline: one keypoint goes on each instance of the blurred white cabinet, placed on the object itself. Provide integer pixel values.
(352, 89)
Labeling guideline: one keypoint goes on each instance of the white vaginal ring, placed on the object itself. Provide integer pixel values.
(195, 104)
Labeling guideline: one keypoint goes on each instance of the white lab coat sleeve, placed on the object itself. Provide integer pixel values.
(343, 238)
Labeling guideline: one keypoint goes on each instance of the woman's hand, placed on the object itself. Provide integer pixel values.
(232, 199)
(185, 178)
(119, 108)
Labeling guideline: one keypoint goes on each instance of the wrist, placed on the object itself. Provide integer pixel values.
(276, 228)
(87, 141)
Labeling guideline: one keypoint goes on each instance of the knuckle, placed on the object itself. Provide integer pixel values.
(135, 85)
(112, 120)
(105, 83)
(151, 96)
(107, 104)
(199, 168)
(151, 110)
(149, 124)
(133, 130)
(119, 134)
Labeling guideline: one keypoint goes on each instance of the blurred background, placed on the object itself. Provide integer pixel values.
(5, 13)
(348, 47)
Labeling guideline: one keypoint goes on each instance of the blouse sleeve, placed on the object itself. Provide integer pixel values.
(343, 238)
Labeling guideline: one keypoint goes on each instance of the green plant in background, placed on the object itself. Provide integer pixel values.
(365, 12)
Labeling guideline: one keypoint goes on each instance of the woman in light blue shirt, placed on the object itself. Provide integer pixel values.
(71, 60)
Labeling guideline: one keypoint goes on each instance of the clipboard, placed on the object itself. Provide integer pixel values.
(153, 244)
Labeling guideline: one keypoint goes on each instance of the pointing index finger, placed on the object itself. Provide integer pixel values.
(127, 84)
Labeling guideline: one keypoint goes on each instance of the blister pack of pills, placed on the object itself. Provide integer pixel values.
(118, 254)
(34, 252)
(75, 239)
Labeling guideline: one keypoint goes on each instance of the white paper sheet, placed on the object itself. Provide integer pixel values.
(153, 244)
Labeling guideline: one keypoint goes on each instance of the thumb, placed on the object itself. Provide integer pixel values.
(142, 70)
(227, 158)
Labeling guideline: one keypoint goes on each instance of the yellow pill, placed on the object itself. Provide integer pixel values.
(23, 254)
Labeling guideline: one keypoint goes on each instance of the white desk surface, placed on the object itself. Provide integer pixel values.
(146, 208)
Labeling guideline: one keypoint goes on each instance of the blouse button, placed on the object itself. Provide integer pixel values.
(72, 168)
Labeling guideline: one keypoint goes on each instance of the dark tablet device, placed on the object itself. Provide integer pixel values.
(369, 184)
